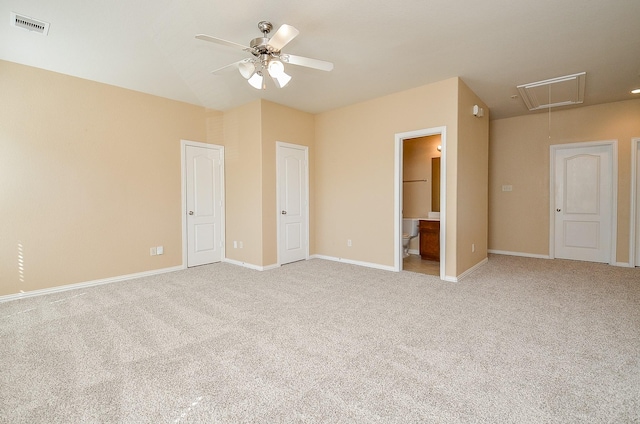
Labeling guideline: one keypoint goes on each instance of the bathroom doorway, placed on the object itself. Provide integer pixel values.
(420, 195)
(634, 247)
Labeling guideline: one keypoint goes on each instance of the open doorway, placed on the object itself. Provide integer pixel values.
(634, 246)
(420, 192)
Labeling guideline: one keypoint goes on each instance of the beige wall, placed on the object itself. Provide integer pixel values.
(243, 183)
(353, 164)
(519, 156)
(250, 135)
(472, 181)
(281, 123)
(90, 175)
(89, 178)
(355, 170)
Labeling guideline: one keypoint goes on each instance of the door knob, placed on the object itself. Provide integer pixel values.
(190, 212)
(283, 212)
(557, 210)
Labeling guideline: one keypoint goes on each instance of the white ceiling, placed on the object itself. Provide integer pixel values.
(377, 46)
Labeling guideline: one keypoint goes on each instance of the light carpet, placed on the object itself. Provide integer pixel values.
(520, 340)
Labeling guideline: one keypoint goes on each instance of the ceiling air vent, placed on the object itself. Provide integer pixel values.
(30, 24)
(554, 92)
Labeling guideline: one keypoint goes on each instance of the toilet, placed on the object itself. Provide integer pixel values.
(409, 232)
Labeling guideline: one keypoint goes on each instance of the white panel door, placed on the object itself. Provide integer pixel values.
(203, 205)
(583, 203)
(293, 226)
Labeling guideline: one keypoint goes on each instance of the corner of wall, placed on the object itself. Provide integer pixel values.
(472, 180)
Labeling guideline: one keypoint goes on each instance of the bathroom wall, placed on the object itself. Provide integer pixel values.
(417, 155)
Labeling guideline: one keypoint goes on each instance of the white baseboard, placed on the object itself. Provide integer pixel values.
(473, 268)
(352, 262)
(532, 255)
(382, 267)
(251, 266)
(86, 284)
(526, 255)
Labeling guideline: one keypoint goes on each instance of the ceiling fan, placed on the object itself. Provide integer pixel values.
(268, 57)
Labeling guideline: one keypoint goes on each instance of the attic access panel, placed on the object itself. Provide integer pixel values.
(554, 92)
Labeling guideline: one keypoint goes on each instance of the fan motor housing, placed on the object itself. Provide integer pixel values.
(260, 46)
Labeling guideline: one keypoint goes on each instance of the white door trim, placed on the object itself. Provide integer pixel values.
(634, 222)
(397, 214)
(183, 193)
(613, 147)
(306, 200)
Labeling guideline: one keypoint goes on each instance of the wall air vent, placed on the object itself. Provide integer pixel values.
(30, 24)
(555, 92)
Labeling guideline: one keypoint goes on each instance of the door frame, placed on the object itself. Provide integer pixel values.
(397, 213)
(306, 198)
(613, 151)
(183, 194)
(634, 222)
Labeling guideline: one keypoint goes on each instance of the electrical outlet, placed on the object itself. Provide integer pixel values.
(473, 247)
(160, 250)
(153, 251)
(235, 244)
(349, 243)
(241, 245)
(507, 187)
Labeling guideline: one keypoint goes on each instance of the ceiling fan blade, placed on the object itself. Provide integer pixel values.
(229, 67)
(223, 42)
(306, 61)
(282, 37)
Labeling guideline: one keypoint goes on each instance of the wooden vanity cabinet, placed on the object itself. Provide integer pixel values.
(430, 240)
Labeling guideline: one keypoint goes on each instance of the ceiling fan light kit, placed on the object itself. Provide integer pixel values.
(268, 56)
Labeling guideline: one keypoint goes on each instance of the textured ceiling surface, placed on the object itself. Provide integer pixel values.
(377, 46)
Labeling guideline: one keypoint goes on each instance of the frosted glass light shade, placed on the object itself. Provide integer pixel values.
(282, 79)
(246, 69)
(276, 68)
(256, 81)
